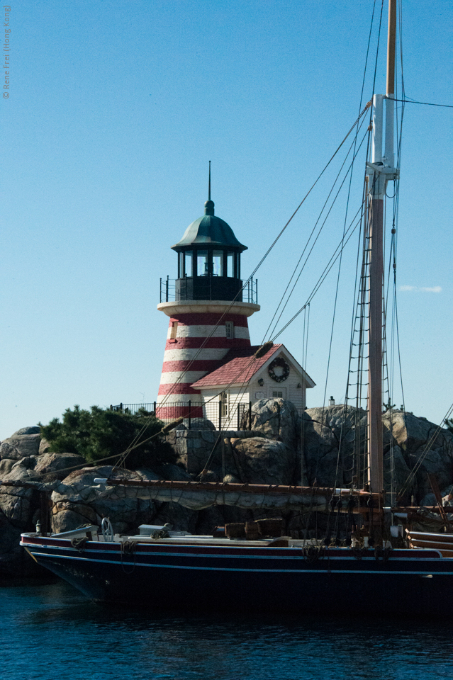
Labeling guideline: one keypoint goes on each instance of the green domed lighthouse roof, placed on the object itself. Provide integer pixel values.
(209, 230)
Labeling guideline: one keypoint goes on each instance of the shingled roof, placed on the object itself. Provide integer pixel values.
(238, 366)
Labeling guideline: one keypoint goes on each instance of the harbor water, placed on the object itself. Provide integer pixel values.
(50, 632)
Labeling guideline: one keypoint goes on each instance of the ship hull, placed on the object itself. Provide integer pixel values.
(408, 582)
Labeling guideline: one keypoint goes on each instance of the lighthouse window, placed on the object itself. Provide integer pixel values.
(202, 263)
(180, 265)
(217, 263)
(229, 329)
(230, 264)
(189, 264)
(224, 400)
(174, 330)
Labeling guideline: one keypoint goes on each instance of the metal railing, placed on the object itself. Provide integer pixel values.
(221, 415)
(168, 290)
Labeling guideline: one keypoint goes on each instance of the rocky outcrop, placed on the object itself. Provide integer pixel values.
(330, 445)
(23, 460)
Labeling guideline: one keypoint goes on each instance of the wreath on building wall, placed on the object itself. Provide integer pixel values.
(278, 369)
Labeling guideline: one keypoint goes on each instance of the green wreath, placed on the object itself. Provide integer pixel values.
(278, 363)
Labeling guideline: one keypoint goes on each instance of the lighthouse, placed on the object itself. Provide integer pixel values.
(208, 309)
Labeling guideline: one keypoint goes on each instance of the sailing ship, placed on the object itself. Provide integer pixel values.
(375, 573)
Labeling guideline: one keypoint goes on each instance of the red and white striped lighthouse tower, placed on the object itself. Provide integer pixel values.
(208, 316)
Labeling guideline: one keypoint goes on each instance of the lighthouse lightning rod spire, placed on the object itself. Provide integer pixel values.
(209, 182)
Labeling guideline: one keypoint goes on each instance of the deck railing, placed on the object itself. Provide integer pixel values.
(170, 292)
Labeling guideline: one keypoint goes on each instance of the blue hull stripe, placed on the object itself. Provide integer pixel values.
(200, 568)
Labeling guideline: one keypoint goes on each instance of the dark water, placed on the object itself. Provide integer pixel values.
(52, 632)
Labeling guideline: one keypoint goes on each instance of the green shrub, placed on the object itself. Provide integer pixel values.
(100, 433)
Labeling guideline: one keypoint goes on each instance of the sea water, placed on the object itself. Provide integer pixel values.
(51, 632)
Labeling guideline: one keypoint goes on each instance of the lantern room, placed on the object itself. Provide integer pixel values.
(209, 260)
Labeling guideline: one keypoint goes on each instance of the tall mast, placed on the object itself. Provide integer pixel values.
(380, 171)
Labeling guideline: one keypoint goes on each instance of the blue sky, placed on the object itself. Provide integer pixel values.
(114, 111)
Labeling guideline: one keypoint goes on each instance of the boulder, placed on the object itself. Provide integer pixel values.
(276, 419)
(66, 516)
(21, 470)
(17, 507)
(5, 466)
(20, 446)
(57, 465)
(262, 461)
(75, 502)
(32, 429)
(44, 446)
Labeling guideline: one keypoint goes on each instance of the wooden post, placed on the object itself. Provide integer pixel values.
(250, 415)
(190, 417)
(220, 413)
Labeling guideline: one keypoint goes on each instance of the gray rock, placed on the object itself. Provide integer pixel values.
(33, 429)
(263, 461)
(209, 476)
(148, 475)
(200, 424)
(68, 516)
(16, 506)
(231, 479)
(22, 470)
(55, 465)
(175, 473)
(44, 446)
(20, 446)
(276, 419)
(5, 466)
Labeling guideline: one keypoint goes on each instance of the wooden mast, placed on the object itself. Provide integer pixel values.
(380, 170)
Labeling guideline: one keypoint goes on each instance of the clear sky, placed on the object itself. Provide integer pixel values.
(115, 109)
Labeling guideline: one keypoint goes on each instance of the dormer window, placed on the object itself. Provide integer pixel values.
(229, 330)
